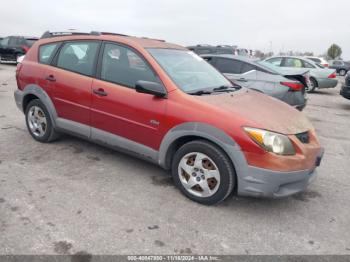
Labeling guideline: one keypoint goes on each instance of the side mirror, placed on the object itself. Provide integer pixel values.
(151, 88)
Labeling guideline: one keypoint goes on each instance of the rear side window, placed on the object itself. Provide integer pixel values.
(46, 52)
(121, 65)
(78, 57)
(247, 67)
(229, 66)
(316, 60)
(275, 61)
(308, 65)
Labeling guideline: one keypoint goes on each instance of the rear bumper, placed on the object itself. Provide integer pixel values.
(273, 184)
(345, 91)
(295, 99)
(327, 82)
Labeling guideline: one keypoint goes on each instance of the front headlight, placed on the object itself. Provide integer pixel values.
(271, 142)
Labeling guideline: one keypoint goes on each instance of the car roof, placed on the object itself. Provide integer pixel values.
(287, 56)
(241, 58)
(132, 40)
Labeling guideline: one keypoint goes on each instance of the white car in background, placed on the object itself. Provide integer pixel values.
(318, 60)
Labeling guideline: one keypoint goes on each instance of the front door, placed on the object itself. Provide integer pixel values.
(116, 107)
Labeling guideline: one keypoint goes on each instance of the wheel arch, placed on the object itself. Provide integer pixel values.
(184, 133)
(31, 92)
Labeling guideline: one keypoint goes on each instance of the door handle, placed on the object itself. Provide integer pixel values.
(50, 78)
(100, 92)
(243, 80)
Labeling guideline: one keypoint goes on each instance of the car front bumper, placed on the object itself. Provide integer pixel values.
(274, 184)
(327, 82)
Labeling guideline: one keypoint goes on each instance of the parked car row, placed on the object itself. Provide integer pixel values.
(13, 47)
(163, 103)
(288, 87)
(320, 76)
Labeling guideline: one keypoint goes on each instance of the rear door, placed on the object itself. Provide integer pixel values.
(117, 109)
(69, 80)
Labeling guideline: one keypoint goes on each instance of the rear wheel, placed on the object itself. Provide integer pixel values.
(313, 85)
(39, 123)
(203, 172)
(342, 72)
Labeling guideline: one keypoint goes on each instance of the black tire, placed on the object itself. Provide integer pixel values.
(221, 160)
(314, 85)
(50, 133)
(342, 72)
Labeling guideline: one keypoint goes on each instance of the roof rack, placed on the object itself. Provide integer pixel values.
(160, 40)
(49, 34)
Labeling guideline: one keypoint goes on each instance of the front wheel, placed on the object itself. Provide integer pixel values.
(203, 172)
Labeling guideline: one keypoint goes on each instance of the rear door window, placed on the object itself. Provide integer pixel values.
(275, 61)
(46, 52)
(229, 66)
(308, 65)
(78, 57)
(293, 62)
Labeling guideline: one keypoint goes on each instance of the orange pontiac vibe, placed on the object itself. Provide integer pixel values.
(161, 102)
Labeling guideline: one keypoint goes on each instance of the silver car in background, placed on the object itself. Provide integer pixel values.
(289, 87)
(320, 76)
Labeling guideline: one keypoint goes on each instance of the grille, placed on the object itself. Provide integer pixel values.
(303, 137)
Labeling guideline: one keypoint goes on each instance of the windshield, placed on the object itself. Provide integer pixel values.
(189, 71)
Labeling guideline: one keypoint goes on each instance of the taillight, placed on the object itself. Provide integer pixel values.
(293, 86)
(326, 65)
(25, 48)
(333, 75)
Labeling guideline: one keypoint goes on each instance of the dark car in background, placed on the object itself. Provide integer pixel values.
(290, 87)
(219, 49)
(345, 90)
(12, 47)
(342, 67)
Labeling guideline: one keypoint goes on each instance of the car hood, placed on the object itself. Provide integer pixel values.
(261, 110)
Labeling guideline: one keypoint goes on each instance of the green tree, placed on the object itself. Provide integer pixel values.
(334, 51)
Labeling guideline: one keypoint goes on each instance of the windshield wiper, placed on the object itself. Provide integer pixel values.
(226, 88)
(200, 92)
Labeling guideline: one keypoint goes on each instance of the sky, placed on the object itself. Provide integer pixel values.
(277, 25)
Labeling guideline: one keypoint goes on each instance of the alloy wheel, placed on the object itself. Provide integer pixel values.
(37, 121)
